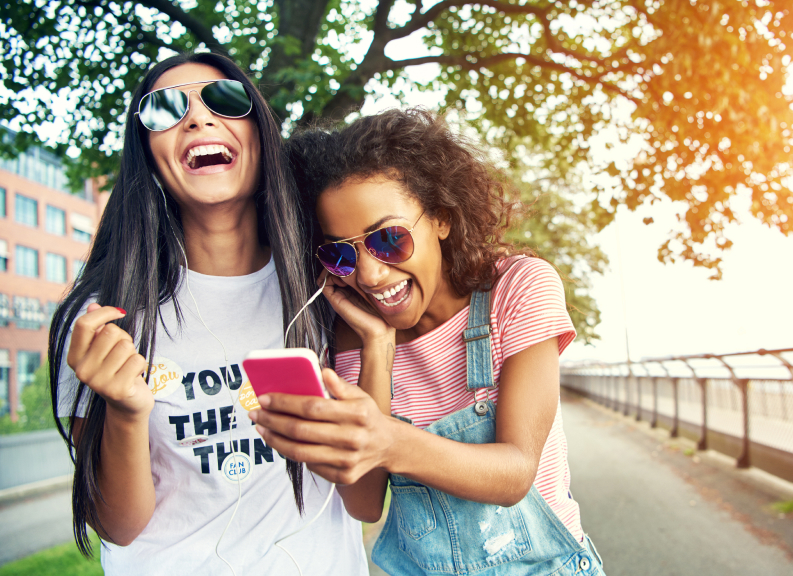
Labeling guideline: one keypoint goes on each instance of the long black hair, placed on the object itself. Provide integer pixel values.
(135, 264)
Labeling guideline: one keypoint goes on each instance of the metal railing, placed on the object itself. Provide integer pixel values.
(740, 404)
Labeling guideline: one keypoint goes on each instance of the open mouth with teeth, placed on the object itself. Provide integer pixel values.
(395, 295)
(212, 155)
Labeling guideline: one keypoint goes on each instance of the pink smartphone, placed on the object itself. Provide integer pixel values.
(288, 371)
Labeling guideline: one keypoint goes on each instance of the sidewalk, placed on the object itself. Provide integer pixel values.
(651, 509)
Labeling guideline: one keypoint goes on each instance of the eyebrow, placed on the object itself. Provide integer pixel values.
(370, 228)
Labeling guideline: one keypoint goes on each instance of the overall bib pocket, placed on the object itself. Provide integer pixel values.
(415, 513)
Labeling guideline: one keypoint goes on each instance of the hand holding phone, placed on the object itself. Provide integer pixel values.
(287, 371)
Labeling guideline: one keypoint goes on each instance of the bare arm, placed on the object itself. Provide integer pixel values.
(104, 357)
(364, 499)
(343, 440)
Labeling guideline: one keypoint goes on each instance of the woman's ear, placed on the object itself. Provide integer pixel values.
(444, 224)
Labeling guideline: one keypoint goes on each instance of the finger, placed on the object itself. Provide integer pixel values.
(302, 452)
(85, 328)
(105, 357)
(93, 306)
(339, 388)
(306, 407)
(310, 432)
(105, 341)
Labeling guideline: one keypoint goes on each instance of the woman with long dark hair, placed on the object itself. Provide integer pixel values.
(197, 260)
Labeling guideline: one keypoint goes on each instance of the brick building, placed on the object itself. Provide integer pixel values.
(45, 234)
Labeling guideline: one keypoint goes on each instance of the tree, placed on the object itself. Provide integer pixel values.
(35, 411)
(704, 82)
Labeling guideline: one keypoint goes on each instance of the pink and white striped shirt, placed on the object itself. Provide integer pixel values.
(527, 307)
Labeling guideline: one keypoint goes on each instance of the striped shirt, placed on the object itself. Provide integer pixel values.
(527, 307)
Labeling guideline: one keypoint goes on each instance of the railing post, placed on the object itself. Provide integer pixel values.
(626, 410)
(654, 421)
(703, 440)
(638, 398)
(676, 421)
(744, 460)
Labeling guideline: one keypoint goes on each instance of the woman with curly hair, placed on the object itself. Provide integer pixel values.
(454, 343)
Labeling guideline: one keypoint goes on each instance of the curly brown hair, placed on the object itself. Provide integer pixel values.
(450, 177)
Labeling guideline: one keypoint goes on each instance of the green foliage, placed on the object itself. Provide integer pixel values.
(693, 89)
(785, 507)
(35, 412)
(57, 561)
(556, 225)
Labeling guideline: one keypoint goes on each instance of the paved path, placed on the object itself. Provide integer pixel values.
(651, 510)
(30, 525)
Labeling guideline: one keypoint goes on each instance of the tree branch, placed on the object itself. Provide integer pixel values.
(420, 20)
(471, 62)
(200, 30)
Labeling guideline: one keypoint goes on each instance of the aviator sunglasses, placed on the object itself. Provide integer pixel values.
(390, 245)
(164, 108)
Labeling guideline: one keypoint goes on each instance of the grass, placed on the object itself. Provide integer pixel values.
(63, 560)
(783, 507)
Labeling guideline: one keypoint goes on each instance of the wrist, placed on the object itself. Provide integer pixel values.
(121, 418)
(391, 459)
(377, 340)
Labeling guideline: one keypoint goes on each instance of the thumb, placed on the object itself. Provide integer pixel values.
(93, 306)
(339, 388)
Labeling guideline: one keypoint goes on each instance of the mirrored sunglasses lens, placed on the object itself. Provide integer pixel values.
(227, 98)
(162, 109)
(338, 258)
(392, 245)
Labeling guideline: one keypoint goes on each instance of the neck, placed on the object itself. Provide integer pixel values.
(223, 240)
(445, 304)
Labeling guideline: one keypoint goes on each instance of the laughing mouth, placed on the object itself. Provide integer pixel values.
(202, 156)
(395, 295)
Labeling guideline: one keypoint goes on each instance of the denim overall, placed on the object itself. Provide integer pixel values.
(430, 532)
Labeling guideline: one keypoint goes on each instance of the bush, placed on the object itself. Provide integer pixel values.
(35, 411)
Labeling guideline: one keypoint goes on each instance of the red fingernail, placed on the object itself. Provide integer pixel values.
(121, 310)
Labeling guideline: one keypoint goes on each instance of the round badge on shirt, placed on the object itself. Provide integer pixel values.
(248, 398)
(165, 377)
(237, 467)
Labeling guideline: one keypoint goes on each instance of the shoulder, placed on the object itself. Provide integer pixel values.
(522, 273)
(346, 338)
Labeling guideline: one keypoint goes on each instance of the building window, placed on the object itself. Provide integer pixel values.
(5, 370)
(5, 310)
(49, 311)
(2, 202)
(27, 261)
(82, 226)
(56, 221)
(3, 256)
(26, 211)
(78, 268)
(27, 364)
(28, 313)
(55, 268)
(81, 236)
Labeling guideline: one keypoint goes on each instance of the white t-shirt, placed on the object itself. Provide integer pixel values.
(195, 485)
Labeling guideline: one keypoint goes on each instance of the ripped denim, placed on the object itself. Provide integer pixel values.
(428, 532)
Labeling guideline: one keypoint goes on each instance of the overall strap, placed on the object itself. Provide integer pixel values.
(477, 343)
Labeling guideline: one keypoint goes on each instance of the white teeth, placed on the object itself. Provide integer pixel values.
(197, 151)
(391, 292)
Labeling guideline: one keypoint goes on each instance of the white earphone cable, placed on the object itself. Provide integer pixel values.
(233, 419)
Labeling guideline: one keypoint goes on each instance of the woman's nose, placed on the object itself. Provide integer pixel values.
(197, 114)
(371, 271)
